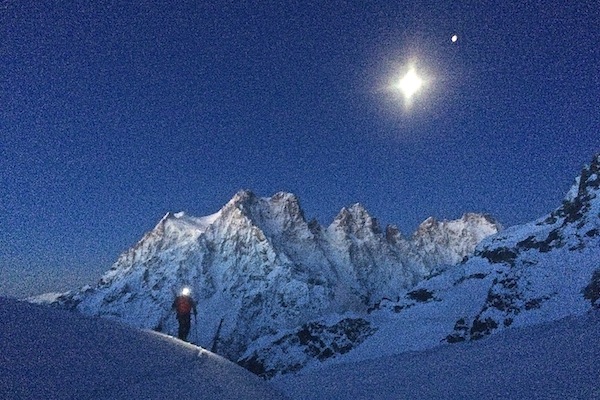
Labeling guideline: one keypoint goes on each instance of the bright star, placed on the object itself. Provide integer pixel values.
(410, 84)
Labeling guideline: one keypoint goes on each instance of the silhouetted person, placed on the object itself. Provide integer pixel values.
(184, 305)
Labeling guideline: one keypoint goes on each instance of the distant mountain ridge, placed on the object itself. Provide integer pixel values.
(259, 266)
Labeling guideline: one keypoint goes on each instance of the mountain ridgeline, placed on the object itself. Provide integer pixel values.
(278, 293)
(258, 266)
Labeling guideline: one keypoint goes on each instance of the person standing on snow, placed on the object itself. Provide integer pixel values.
(183, 306)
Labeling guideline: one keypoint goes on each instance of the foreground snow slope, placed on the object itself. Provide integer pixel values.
(559, 360)
(54, 354)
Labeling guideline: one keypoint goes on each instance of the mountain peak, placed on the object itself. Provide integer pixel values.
(287, 202)
(428, 224)
(356, 212)
(469, 221)
(284, 197)
(583, 197)
(242, 197)
(355, 218)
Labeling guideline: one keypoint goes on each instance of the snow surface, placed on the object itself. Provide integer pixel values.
(558, 360)
(47, 353)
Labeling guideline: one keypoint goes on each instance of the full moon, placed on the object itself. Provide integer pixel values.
(410, 84)
(454, 38)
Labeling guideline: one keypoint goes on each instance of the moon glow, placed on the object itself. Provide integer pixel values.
(410, 84)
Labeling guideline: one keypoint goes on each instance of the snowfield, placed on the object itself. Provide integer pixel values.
(54, 354)
(559, 360)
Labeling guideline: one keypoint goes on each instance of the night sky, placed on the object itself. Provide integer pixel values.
(114, 113)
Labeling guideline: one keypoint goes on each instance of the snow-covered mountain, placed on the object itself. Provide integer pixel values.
(293, 295)
(257, 267)
(541, 271)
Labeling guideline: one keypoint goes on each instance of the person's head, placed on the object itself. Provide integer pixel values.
(186, 291)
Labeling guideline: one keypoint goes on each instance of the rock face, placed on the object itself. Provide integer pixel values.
(312, 341)
(257, 267)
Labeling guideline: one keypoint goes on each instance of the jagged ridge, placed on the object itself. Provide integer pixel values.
(260, 267)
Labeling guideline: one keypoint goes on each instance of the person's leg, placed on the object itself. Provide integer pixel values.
(184, 327)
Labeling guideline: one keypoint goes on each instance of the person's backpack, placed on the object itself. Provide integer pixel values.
(183, 305)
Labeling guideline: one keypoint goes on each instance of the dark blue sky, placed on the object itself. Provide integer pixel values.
(114, 113)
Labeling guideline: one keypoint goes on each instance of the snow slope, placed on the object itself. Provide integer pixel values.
(55, 354)
(558, 360)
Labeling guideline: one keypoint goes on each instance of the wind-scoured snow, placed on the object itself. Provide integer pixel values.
(55, 354)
